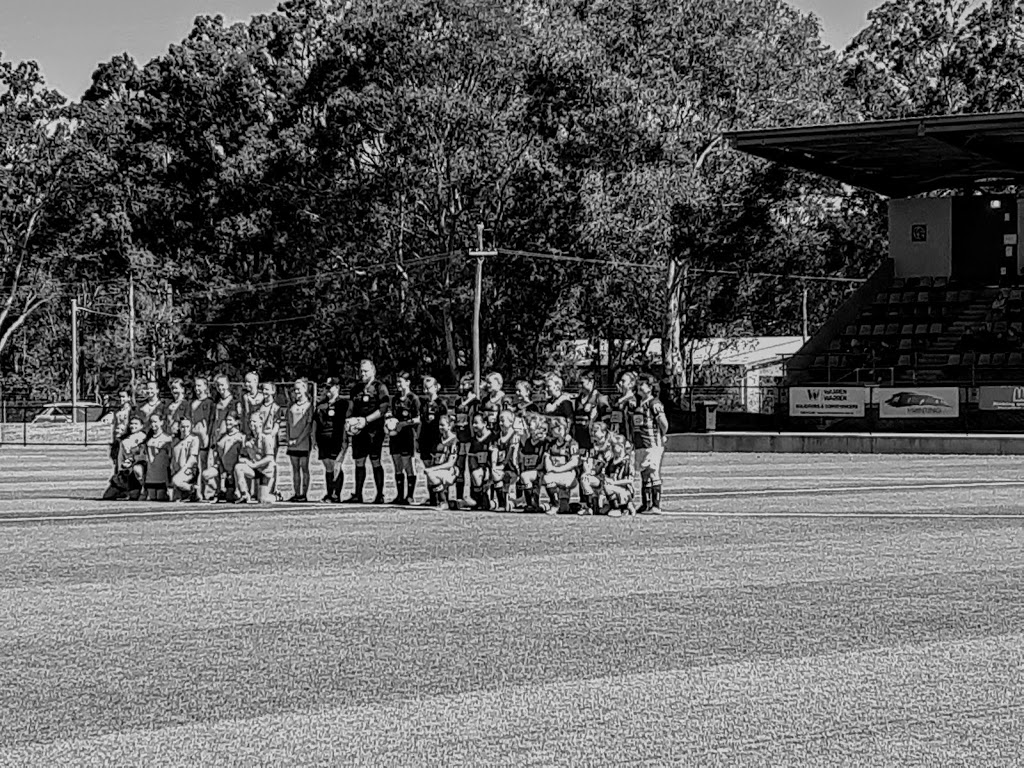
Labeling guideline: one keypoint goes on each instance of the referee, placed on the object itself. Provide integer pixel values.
(368, 407)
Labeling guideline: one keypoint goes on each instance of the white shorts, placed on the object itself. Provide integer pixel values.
(649, 458)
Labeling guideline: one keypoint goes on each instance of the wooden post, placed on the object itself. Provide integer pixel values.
(480, 253)
(74, 360)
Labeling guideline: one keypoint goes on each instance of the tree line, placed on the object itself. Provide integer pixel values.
(299, 191)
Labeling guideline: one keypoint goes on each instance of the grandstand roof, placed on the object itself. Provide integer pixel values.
(899, 158)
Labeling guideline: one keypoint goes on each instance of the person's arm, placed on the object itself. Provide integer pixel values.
(573, 460)
(414, 413)
(661, 417)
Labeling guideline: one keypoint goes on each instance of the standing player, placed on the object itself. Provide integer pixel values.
(185, 462)
(465, 408)
(480, 462)
(440, 475)
(299, 436)
(590, 406)
(158, 459)
(329, 421)
(251, 402)
(506, 460)
(620, 418)
(270, 424)
(531, 467)
(177, 409)
(202, 415)
(561, 462)
(226, 404)
(122, 416)
(432, 408)
(494, 402)
(368, 407)
(650, 425)
(558, 405)
(405, 417)
(152, 404)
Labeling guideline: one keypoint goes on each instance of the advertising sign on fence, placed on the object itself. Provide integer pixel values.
(834, 402)
(918, 403)
(1001, 398)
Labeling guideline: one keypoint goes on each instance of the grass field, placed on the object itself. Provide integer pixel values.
(792, 610)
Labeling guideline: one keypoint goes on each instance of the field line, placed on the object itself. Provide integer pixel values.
(759, 492)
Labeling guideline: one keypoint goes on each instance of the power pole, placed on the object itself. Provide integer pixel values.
(479, 254)
(74, 360)
(131, 329)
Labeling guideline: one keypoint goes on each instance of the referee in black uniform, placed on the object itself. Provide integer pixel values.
(329, 421)
(368, 407)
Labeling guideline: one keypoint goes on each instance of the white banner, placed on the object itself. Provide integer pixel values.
(834, 402)
(918, 403)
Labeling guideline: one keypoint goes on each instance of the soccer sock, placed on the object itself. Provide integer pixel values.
(552, 495)
(378, 479)
(329, 482)
(360, 480)
(411, 482)
(460, 486)
(339, 483)
(502, 497)
(563, 500)
(399, 484)
(656, 496)
(644, 496)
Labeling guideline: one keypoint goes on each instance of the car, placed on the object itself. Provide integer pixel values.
(60, 413)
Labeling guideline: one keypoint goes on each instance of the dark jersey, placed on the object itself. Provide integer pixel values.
(587, 410)
(446, 450)
(598, 456)
(491, 408)
(561, 407)
(367, 398)
(464, 412)
(645, 418)
(329, 420)
(405, 408)
(531, 454)
(561, 451)
(620, 416)
(431, 412)
(618, 470)
(506, 446)
(479, 453)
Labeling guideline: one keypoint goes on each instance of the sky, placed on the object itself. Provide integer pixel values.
(69, 38)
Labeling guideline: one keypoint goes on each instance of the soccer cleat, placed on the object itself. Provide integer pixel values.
(550, 509)
(653, 511)
(613, 512)
(585, 511)
(398, 501)
(379, 499)
(327, 499)
(354, 499)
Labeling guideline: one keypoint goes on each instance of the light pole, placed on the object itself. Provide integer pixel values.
(480, 254)
(75, 309)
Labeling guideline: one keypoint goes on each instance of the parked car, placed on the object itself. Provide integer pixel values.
(60, 413)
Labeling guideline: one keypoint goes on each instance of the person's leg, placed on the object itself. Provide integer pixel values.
(294, 462)
(477, 488)
(460, 465)
(528, 484)
(654, 458)
(328, 477)
(410, 478)
(244, 474)
(396, 461)
(378, 479)
(641, 469)
(304, 477)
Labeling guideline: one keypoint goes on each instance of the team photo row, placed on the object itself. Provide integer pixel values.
(555, 453)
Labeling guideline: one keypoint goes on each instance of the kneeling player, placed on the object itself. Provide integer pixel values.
(561, 461)
(531, 455)
(158, 459)
(504, 472)
(594, 460)
(219, 477)
(185, 462)
(617, 478)
(441, 473)
(255, 465)
(479, 462)
(130, 477)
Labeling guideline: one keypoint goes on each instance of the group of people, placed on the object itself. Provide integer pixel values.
(508, 451)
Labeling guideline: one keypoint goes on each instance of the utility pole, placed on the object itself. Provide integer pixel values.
(806, 324)
(479, 254)
(74, 360)
(131, 328)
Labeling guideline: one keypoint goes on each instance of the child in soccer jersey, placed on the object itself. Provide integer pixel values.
(493, 401)
(401, 426)
(122, 416)
(202, 415)
(531, 466)
(255, 466)
(594, 459)
(465, 408)
(558, 405)
(504, 472)
(271, 424)
(649, 427)
(440, 475)
(219, 477)
(158, 459)
(561, 462)
(177, 409)
(589, 406)
(432, 408)
(617, 478)
(251, 400)
(298, 438)
(130, 477)
(479, 462)
(619, 415)
(522, 405)
(185, 462)
(225, 404)
(329, 429)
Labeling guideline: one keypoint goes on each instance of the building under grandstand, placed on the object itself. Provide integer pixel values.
(934, 340)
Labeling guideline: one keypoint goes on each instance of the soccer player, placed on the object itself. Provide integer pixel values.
(619, 417)
(650, 425)
(558, 404)
(594, 459)
(219, 477)
(590, 406)
(158, 459)
(185, 462)
(561, 462)
(432, 408)
(440, 475)
(255, 463)
(368, 408)
(531, 457)
(480, 461)
(226, 404)
(130, 477)
(617, 478)
(177, 409)
(152, 404)
(329, 422)
(465, 408)
(299, 437)
(202, 415)
(251, 401)
(402, 423)
(271, 423)
(506, 460)
(522, 405)
(122, 416)
(494, 402)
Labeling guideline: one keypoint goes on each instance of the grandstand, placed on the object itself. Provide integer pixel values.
(946, 311)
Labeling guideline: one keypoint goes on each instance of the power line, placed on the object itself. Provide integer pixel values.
(255, 322)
